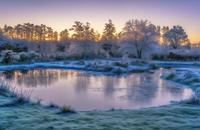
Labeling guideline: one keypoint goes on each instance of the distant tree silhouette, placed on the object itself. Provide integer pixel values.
(140, 34)
(83, 32)
(109, 31)
(9, 31)
(164, 30)
(1, 34)
(55, 36)
(176, 37)
(30, 32)
(64, 35)
(89, 33)
(78, 30)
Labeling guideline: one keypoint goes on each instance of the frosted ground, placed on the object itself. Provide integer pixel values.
(32, 116)
(114, 66)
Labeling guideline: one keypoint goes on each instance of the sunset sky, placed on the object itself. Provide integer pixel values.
(61, 14)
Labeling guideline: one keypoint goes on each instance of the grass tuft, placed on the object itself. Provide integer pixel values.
(20, 97)
(4, 87)
(66, 109)
(6, 90)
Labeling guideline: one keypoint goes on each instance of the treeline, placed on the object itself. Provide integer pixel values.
(30, 32)
(137, 39)
(134, 30)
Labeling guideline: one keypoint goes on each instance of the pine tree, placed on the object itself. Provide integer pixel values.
(109, 32)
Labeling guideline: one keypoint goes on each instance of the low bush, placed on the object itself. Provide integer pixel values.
(120, 64)
(176, 56)
(66, 109)
(52, 105)
(60, 48)
(14, 48)
(7, 57)
(10, 57)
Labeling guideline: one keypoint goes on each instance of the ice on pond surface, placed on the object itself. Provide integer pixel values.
(85, 91)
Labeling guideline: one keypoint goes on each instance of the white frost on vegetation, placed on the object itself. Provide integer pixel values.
(110, 66)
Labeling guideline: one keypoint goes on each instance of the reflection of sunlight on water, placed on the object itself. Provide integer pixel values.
(85, 91)
(187, 93)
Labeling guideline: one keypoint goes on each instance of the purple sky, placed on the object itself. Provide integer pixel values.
(61, 14)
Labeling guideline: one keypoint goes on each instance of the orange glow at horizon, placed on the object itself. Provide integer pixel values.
(61, 14)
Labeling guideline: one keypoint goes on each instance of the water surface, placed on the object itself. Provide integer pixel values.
(86, 91)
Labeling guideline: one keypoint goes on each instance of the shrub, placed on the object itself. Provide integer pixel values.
(117, 71)
(14, 48)
(34, 55)
(120, 64)
(158, 57)
(169, 76)
(107, 68)
(153, 66)
(80, 62)
(17, 48)
(6, 47)
(24, 57)
(7, 57)
(60, 47)
(52, 105)
(28, 56)
(66, 109)
(60, 56)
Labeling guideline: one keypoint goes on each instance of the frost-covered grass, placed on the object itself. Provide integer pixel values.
(3, 87)
(186, 76)
(66, 109)
(176, 63)
(106, 66)
(36, 117)
(19, 97)
(33, 116)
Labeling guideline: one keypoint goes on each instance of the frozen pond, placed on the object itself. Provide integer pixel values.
(86, 91)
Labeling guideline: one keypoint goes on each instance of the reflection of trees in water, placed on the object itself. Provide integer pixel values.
(8, 75)
(81, 82)
(110, 85)
(137, 88)
(145, 89)
(34, 78)
(103, 83)
(141, 89)
(85, 82)
(65, 74)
